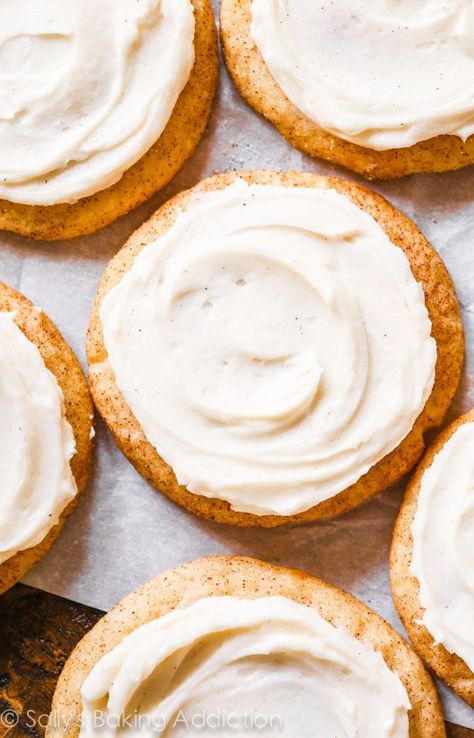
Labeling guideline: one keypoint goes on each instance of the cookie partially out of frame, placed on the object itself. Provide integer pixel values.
(258, 87)
(245, 578)
(152, 172)
(61, 361)
(405, 588)
(441, 303)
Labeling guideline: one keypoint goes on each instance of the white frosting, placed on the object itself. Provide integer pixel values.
(271, 658)
(273, 345)
(86, 88)
(36, 482)
(443, 545)
(380, 73)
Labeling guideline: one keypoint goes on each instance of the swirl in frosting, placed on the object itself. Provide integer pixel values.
(382, 73)
(86, 89)
(248, 664)
(273, 345)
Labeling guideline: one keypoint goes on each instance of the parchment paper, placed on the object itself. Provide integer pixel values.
(123, 531)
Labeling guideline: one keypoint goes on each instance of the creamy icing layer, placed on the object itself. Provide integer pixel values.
(36, 482)
(380, 73)
(231, 659)
(273, 345)
(443, 545)
(86, 88)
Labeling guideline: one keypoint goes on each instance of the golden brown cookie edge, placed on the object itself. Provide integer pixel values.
(256, 85)
(447, 330)
(405, 588)
(152, 172)
(250, 578)
(61, 361)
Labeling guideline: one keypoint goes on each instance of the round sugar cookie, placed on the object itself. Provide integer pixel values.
(248, 579)
(152, 172)
(405, 586)
(258, 87)
(443, 311)
(61, 361)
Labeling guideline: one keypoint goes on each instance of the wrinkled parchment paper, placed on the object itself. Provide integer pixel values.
(123, 531)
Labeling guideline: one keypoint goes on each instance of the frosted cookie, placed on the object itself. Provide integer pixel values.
(432, 558)
(46, 430)
(101, 103)
(263, 352)
(231, 638)
(382, 88)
